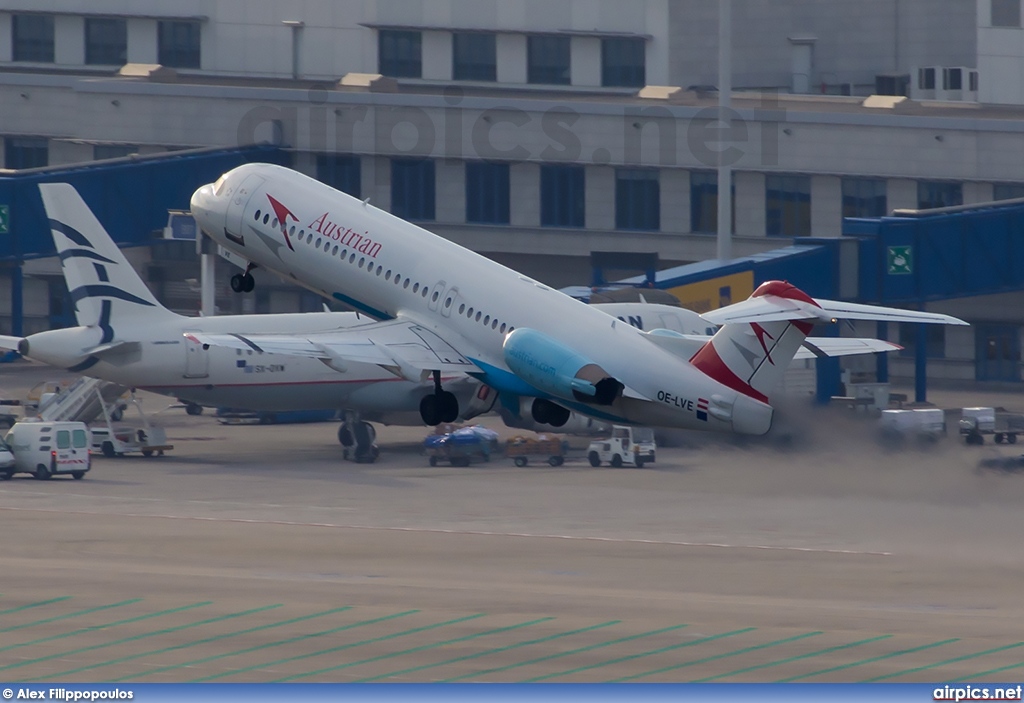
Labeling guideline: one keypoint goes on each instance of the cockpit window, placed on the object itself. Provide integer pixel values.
(219, 184)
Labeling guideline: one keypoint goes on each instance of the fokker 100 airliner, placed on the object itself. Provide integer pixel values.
(442, 309)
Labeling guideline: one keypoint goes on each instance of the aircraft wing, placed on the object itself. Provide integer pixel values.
(771, 308)
(400, 346)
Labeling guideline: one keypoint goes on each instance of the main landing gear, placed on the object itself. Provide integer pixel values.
(358, 440)
(547, 413)
(441, 406)
(244, 282)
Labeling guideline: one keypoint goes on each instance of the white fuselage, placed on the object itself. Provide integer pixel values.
(348, 250)
(161, 359)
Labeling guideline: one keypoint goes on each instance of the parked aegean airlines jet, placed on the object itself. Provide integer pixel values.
(443, 309)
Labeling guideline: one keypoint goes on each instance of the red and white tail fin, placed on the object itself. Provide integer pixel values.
(750, 357)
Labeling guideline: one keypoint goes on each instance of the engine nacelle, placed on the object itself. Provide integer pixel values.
(62, 347)
(554, 368)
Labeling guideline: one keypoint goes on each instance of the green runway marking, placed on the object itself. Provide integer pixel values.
(564, 654)
(133, 638)
(421, 648)
(717, 656)
(269, 644)
(341, 647)
(206, 640)
(76, 614)
(93, 628)
(868, 661)
(989, 672)
(947, 661)
(496, 650)
(630, 657)
(34, 605)
(819, 652)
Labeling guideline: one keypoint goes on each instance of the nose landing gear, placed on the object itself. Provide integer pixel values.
(244, 282)
(357, 439)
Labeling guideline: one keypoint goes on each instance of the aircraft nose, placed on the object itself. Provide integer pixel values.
(200, 202)
(206, 212)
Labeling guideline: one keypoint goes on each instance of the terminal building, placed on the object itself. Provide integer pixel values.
(537, 132)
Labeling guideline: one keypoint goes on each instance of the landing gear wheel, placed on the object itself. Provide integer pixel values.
(547, 413)
(430, 412)
(345, 435)
(243, 282)
(449, 406)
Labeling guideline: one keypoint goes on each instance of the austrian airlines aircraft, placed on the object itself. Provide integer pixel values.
(442, 308)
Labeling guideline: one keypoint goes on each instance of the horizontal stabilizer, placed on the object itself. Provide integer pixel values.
(771, 308)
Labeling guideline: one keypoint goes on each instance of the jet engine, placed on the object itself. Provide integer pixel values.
(555, 368)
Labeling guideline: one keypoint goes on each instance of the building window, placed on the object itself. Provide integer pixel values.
(100, 152)
(1006, 13)
(926, 78)
(704, 202)
(1007, 191)
(400, 54)
(32, 38)
(562, 196)
(623, 62)
(933, 194)
(936, 344)
(474, 56)
(788, 206)
(952, 79)
(864, 197)
(106, 41)
(637, 199)
(487, 192)
(547, 60)
(340, 171)
(412, 189)
(178, 44)
(26, 152)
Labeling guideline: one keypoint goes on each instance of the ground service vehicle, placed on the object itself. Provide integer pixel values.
(627, 445)
(45, 449)
(922, 424)
(975, 423)
(519, 449)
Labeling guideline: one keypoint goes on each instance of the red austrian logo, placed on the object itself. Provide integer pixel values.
(361, 243)
(282, 213)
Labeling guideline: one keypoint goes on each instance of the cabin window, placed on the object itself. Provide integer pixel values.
(266, 219)
(257, 215)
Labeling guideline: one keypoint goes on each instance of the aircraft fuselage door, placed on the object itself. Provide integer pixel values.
(239, 200)
(434, 297)
(448, 300)
(197, 360)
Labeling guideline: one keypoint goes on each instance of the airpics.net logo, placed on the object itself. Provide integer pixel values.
(452, 125)
(977, 693)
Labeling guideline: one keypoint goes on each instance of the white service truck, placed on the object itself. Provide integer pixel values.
(46, 449)
(633, 446)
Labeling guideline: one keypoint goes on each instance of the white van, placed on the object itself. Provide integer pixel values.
(47, 448)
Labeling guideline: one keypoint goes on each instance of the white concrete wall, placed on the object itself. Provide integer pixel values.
(675, 200)
(69, 40)
(585, 61)
(524, 183)
(142, 40)
(437, 56)
(826, 206)
(750, 204)
(510, 52)
(450, 191)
